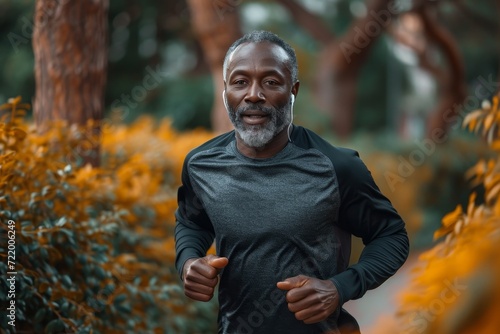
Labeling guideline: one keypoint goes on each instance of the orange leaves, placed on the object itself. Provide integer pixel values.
(471, 120)
(163, 251)
(17, 133)
(12, 129)
(14, 111)
(95, 244)
(460, 274)
(136, 180)
(449, 221)
(454, 222)
(488, 118)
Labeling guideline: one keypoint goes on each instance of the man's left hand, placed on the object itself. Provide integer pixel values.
(311, 299)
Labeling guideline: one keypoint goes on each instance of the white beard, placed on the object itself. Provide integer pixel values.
(259, 135)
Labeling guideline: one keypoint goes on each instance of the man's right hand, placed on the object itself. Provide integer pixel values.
(200, 276)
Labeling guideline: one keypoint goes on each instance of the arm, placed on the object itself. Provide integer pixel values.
(193, 230)
(191, 241)
(198, 272)
(194, 235)
(368, 214)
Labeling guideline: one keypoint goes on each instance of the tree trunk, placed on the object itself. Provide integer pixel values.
(453, 89)
(342, 57)
(217, 25)
(70, 47)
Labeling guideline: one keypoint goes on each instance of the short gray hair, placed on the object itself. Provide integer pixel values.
(265, 36)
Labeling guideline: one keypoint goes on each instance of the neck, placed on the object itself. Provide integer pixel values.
(267, 151)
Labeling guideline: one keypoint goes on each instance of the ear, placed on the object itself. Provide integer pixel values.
(224, 99)
(295, 88)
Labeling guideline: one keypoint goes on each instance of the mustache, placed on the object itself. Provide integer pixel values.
(254, 106)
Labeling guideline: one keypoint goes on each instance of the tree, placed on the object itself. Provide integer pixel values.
(341, 58)
(451, 78)
(217, 25)
(70, 47)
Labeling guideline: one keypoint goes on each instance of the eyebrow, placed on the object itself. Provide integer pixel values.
(270, 72)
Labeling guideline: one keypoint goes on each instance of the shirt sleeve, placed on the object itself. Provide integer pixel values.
(194, 232)
(368, 214)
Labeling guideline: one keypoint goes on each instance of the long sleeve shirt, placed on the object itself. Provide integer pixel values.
(274, 218)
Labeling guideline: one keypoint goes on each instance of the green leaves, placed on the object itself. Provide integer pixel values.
(54, 326)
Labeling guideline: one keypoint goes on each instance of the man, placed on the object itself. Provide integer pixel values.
(281, 204)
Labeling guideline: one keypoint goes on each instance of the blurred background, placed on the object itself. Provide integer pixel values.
(391, 79)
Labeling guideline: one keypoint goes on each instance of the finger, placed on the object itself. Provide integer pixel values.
(314, 313)
(198, 296)
(202, 268)
(317, 317)
(301, 304)
(218, 262)
(311, 310)
(292, 282)
(197, 278)
(199, 288)
(296, 294)
(285, 285)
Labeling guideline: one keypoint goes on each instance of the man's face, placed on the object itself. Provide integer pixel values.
(258, 92)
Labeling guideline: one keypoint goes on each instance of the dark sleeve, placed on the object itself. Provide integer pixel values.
(367, 213)
(194, 232)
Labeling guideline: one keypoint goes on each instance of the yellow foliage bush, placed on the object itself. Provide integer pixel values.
(455, 286)
(94, 246)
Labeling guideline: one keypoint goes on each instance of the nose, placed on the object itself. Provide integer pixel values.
(254, 94)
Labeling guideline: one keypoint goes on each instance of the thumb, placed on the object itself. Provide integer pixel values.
(292, 282)
(218, 262)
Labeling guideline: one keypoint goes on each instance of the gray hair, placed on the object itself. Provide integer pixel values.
(265, 36)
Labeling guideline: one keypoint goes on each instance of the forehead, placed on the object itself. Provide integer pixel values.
(257, 56)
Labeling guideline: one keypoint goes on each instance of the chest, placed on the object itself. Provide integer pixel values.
(279, 200)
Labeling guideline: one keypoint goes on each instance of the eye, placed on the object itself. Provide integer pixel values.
(239, 82)
(272, 82)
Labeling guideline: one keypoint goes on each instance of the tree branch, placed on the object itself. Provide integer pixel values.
(341, 60)
(310, 22)
(217, 26)
(454, 90)
(481, 20)
(379, 16)
(420, 50)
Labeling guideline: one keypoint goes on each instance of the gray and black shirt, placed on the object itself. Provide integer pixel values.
(284, 216)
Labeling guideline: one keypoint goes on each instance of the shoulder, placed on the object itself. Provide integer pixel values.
(348, 166)
(219, 141)
(341, 157)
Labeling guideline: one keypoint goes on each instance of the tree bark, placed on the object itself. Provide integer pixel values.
(344, 59)
(453, 88)
(70, 47)
(310, 22)
(217, 26)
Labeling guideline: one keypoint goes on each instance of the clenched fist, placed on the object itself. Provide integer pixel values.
(311, 299)
(200, 276)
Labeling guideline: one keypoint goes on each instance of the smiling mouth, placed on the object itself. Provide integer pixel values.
(254, 119)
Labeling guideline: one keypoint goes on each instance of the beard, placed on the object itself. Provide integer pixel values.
(259, 135)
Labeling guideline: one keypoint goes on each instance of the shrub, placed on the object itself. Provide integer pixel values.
(94, 246)
(455, 286)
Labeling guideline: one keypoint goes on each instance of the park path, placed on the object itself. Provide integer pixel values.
(381, 302)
